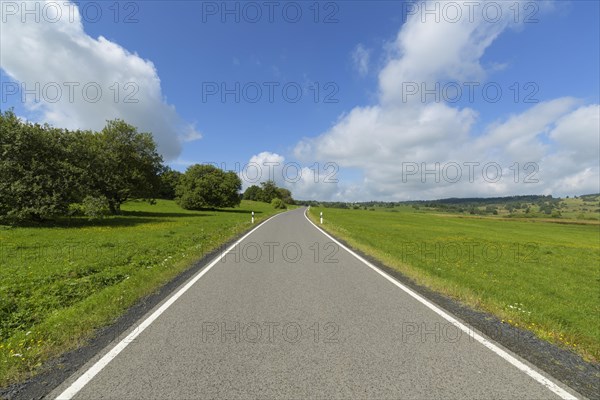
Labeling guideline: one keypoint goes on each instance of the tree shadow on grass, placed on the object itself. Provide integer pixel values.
(224, 210)
(123, 220)
(162, 215)
(229, 210)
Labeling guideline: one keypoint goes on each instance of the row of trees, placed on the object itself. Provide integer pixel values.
(205, 186)
(267, 192)
(45, 170)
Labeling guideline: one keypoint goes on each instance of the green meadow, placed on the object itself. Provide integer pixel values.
(61, 281)
(534, 274)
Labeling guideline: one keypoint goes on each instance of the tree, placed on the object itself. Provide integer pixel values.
(285, 195)
(36, 180)
(168, 183)
(44, 170)
(269, 191)
(206, 186)
(127, 164)
(253, 193)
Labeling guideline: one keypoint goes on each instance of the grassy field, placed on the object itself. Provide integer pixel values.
(584, 209)
(60, 282)
(534, 274)
(587, 208)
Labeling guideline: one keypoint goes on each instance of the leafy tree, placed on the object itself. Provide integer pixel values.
(206, 186)
(168, 183)
(127, 164)
(43, 170)
(285, 195)
(36, 180)
(253, 193)
(269, 191)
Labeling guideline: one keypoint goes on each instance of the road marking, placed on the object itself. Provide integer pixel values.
(491, 346)
(108, 357)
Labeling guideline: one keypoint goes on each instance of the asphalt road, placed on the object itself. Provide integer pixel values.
(289, 314)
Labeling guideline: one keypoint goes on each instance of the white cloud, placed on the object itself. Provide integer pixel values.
(263, 167)
(518, 137)
(190, 134)
(573, 167)
(554, 144)
(577, 134)
(56, 53)
(315, 182)
(361, 57)
(428, 51)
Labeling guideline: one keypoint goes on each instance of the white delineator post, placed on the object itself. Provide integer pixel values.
(321, 217)
(252, 216)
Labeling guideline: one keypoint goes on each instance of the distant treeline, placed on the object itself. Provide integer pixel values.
(476, 201)
(474, 205)
(480, 201)
(47, 172)
(269, 192)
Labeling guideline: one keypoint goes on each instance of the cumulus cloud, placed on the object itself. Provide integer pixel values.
(577, 134)
(411, 148)
(80, 81)
(317, 181)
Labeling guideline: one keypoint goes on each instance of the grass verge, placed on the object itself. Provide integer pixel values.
(62, 281)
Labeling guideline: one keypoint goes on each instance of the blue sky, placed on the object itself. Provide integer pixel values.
(554, 59)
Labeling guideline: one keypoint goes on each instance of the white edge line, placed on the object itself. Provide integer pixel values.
(469, 331)
(108, 357)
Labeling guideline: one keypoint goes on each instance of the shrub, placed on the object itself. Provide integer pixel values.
(278, 204)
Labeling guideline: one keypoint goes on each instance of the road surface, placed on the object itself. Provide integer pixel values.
(289, 314)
